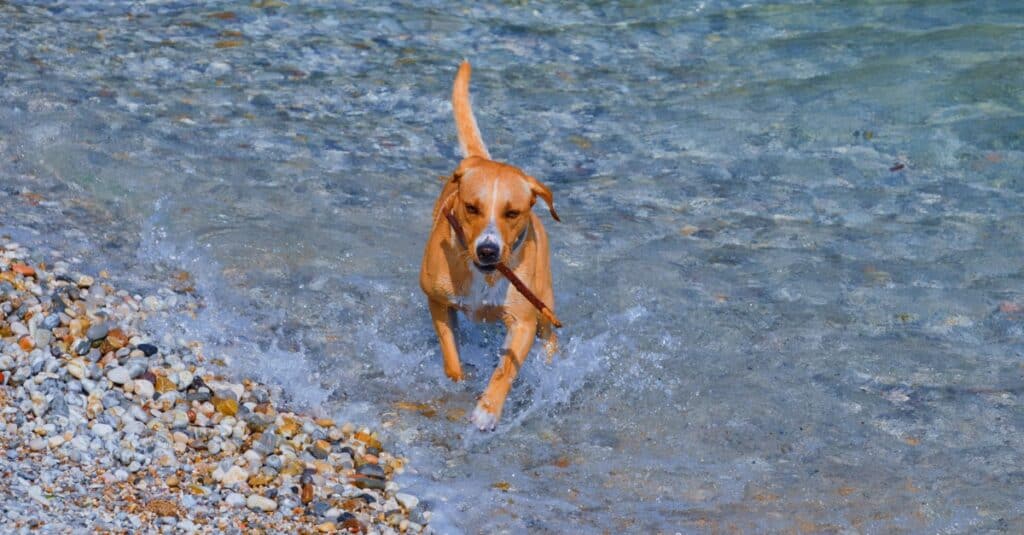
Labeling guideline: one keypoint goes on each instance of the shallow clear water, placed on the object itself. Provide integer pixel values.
(770, 325)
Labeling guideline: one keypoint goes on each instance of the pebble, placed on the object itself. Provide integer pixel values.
(372, 470)
(102, 430)
(144, 389)
(97, 332)
(119, 375)
(259, 503)
(234, 476)
(76, 368)
(235, 499)
(407, 500)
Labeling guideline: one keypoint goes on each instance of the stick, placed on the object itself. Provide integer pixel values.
(510, 275)
(544, 310)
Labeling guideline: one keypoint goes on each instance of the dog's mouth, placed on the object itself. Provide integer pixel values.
(486, 268)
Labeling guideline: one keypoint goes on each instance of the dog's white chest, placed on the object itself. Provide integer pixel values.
(482, 295)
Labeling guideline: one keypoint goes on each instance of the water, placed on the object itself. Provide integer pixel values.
(770, 325)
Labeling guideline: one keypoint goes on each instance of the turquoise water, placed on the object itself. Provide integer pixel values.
(790, 268)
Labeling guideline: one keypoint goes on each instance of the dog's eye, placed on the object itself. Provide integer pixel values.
(472, 210)
(512, 214)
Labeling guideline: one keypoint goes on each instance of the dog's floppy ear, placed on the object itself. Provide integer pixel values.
(542, 191)
(464, 166)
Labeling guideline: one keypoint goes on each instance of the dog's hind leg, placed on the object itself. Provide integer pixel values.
(445, 323)
(521, 335)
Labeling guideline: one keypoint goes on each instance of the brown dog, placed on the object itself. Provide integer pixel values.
(492, 202)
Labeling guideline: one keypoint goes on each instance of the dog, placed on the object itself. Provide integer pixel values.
(492, 201)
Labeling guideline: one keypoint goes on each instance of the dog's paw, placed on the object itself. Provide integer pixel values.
(483, 419)
(454, 375)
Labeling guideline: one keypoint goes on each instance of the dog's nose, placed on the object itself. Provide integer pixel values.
(488, 252)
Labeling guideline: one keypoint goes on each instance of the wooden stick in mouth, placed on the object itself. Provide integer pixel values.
(510, 275)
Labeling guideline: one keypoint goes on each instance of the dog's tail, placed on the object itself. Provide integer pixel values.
(469, 134)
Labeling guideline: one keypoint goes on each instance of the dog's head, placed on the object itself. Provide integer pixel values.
(493, 205)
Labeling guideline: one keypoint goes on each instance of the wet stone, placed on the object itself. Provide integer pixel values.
(51, 321)
(81, 347)
(97, 332)
(119, 375)
(260, 503)
(320, 449)
(371, 483)
(319, 508)
(371, 470)
(147, 349)
(200, 395)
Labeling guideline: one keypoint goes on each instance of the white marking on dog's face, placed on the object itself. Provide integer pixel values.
(491, 233)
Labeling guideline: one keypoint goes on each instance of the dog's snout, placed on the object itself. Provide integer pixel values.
(488, 252)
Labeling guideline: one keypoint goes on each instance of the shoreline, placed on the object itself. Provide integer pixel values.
(106, 429)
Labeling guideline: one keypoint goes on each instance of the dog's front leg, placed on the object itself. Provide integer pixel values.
(445, 324)
(518, 342)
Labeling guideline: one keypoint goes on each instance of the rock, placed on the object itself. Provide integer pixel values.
(119, 375)
(102, 430)
(97, 332)
(320, 449)
(117, 338)
(164, 385)
(147, 349)
(352, 525)
(371, 483)
(235, 500)
(200, 395)
(144, 389)
(226, 406)
(76, 368)
(259, 503)
(152, 303)
(180, 420)
(407, 500)
(290, 428)
(234, 476)
(273, 462)
(81, 346)
(161, 507)
(23, 269)
(371, 470)
(183, 379)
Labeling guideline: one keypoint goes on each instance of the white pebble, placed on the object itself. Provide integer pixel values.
(259, 503)
(407, 500)
(119, 375)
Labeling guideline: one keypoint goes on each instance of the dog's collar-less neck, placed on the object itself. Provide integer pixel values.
(522, 237)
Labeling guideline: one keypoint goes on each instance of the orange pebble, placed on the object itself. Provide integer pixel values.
(23, 269)
(26, 343)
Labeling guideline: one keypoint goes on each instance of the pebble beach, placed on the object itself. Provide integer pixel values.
(107, 427)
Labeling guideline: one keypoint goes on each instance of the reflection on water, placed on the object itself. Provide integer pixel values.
(790, 266)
